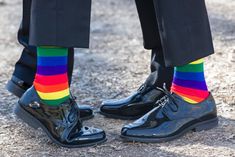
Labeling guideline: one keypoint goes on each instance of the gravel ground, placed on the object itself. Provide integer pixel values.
(116, 65)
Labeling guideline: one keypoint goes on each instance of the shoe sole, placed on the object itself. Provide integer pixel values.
(205, 125)
(14, 89)
(118, 117)
(35, 123)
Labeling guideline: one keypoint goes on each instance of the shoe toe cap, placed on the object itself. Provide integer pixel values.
(88, 136)
(109, 109)
(127, 131)
(124, 131)
(94, 133)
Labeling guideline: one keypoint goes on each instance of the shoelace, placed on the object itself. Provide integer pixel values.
(144, 88)
(162, 101)
(168, 97)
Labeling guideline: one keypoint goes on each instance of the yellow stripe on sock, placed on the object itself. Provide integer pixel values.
(189, 100)
(197, 61)
(54, 95)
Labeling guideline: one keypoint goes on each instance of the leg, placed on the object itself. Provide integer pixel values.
(184, 31)
(193, 42)
(185, 37)
(151, 36)
(159, 73)
(25, 67)
(49, 95)
(149, 24)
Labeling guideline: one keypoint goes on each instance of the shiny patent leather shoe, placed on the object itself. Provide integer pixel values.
(171, 119)
(61, 123)
(134, 106)
(144, 99)
(18, 88)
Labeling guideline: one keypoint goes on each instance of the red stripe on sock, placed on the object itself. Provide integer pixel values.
(51, 80)
(190, 91)
(194, 98)
(51, 88)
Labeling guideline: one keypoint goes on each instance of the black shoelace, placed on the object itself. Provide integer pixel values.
(168, 100)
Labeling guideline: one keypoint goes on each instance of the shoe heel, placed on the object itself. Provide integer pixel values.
(206, 125)
(25, 116)
(14, 89)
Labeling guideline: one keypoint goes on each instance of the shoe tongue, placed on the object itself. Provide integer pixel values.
(151, 80)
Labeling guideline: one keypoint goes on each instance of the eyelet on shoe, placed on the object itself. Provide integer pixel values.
(34, 104)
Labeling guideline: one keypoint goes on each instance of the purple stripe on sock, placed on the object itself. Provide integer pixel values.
(191, 84)
(51, 70)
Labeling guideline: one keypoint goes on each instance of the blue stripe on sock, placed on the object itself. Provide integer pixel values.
(52, 61)
(51, 70)
(201, 85)
(193, 76)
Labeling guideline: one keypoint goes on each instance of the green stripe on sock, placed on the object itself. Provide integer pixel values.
(52, 51)
(55, 102)
(191, 68)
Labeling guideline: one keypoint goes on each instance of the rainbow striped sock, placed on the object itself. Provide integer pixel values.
(51, 80)
(189, 82)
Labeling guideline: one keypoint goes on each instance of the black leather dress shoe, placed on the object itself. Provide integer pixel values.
(171, 119)
(61, 123)
(18, 88)
(134, 106)
(144, 99)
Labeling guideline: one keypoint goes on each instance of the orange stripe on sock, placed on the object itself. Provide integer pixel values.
(51, 88)
(51, 80)
(189, 100)
(194, 98)
(190, 91)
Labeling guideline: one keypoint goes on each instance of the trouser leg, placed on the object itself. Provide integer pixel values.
(151, 36)
(60, 23)
(25, 67)
(159, 73)
(184, 30)
(149, 25)
(179, 28)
